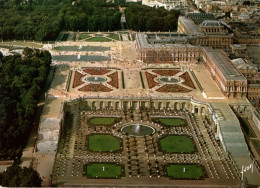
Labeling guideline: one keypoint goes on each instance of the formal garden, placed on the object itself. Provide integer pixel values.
(95, 80)
(169, 80)
(148, 143)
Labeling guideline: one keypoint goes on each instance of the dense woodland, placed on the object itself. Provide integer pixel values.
(15, 176)
(144, 18)
(21, 80)
(44, 19)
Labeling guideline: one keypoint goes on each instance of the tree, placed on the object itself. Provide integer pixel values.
(15, 176)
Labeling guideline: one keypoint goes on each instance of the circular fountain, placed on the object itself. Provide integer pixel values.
(96, 79)
(169, 80)
(137, 129)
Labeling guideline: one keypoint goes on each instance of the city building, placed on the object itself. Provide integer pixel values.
(232, 83)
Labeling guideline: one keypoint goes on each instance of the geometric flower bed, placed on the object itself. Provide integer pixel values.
(166, 72)
(165, 86)
(77, 79)
(114, 81)
(150, 79)
(103, 121)
(177, 144)
(104, 170)
(104, 143)
(185, 171)
(170, 122)
(188, 81)
(96, 71)
(95, 88)
(173, 88)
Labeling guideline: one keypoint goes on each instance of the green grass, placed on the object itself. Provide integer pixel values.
(98, 39)
(102, 121)
(171, 121)
(177, 144)
(111, 170)
(191, 171)
(113, 36)
(84, 37)
(103, 143)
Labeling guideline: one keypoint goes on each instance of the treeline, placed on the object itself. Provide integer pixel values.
(21, 80)
(144, 18)
(43, 20)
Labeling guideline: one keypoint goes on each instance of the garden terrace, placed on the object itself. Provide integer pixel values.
(142, 156)
(104, 143)
(177, 144)
(174, 88)
(95, 88)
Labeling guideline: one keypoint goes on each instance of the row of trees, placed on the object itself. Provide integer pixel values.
(21, 80)
(44, 19)
(144, 18)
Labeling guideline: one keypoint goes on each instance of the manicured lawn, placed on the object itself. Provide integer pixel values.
(111, 170)
(103, 143)
(177, 144)
(98, 39)
(171, 121)
(113, 36)
(191, 171)
(84, 36)
(102, 121)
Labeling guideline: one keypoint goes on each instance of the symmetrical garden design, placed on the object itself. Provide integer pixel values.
(155, 79)
(91, 79)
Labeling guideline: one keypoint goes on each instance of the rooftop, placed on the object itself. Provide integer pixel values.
(193, 28)
(224, 64)
(211, 23)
